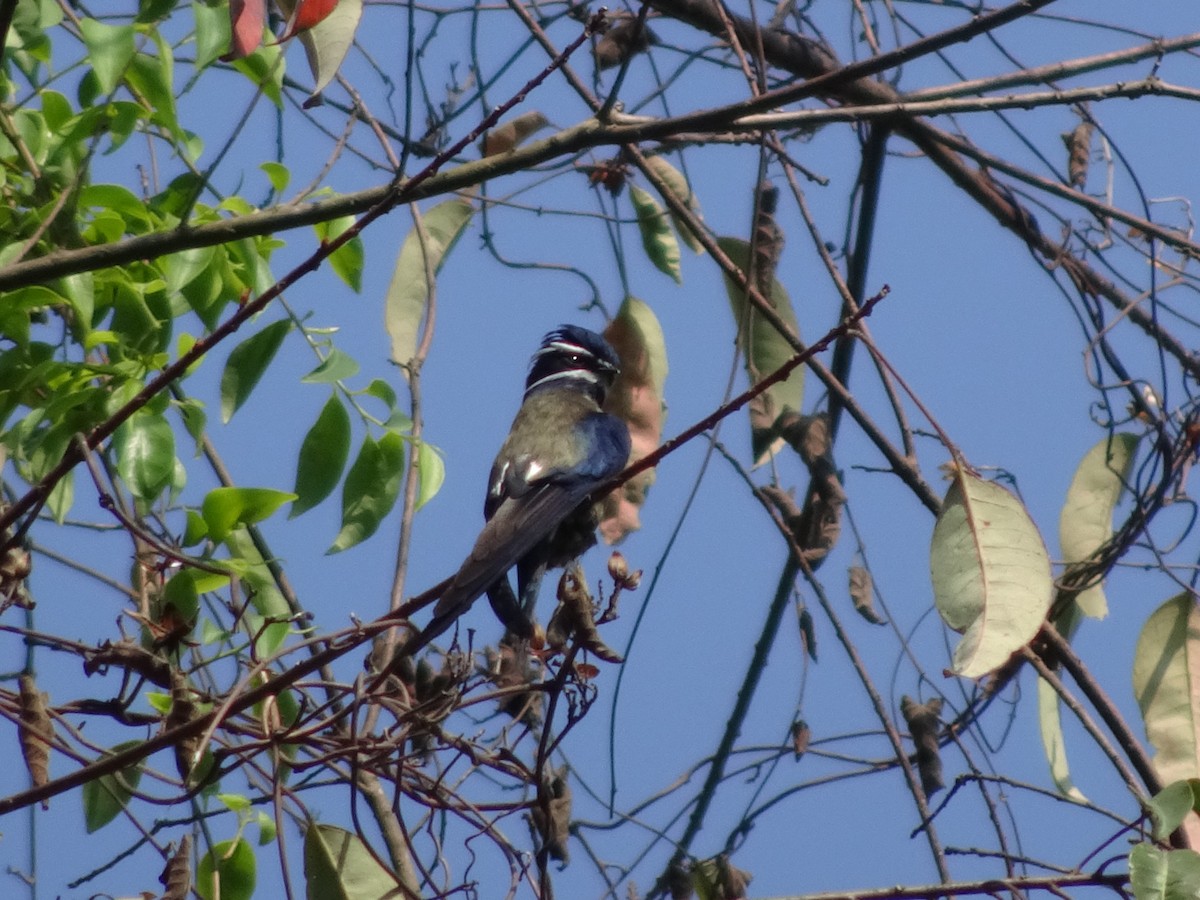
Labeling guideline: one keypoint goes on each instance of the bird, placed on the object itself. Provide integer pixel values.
(538, 513)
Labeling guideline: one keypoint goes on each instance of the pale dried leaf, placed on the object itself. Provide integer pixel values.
(637, 398)
(991, 573)
(512, 133)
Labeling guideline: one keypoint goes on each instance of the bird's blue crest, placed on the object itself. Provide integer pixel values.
(583, 338)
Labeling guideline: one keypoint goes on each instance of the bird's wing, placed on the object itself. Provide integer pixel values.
(526, 502)
(515, 528)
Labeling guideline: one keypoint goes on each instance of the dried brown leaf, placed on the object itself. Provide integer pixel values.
(623, 40)
(575, 619)
(808, 634)
(732, 881)
(510, 666)
(717, 878)
(801, 736)
(176, 876)
(924, 726)
(37, 733)
(862, 592)
(551, 816)
(768, 239)
(808, 435)
(679, 882)
(183, 710)
(1079, 152)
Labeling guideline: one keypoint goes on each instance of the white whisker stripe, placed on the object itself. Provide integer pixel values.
(576, 374)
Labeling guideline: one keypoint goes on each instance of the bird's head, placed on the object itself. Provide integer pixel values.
(573, 358)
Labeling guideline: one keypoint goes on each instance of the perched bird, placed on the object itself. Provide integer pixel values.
(561, 446)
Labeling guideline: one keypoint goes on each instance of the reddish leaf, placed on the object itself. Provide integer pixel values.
(246, 19)
(307, 14)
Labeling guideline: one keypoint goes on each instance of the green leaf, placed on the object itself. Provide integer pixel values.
(327, 42)
(1170, 806)
(347, 260)
(152, 77)
(80, 291)
(1085, 524)
(337, 366)
(323, 456)
(991, 573)
(408, 290)
(431, 471)
(212, 33)
(1054, 742)
(1158, 874)
(62, 497)
(195, 529)
(380, 390)
(764, 350)
(106, 796)
(145, 449)
(266, 829)
(160, 703)
(235, 803)
(265, 596)
(233, 862)
(184, 267)
(227, 507)
(1166, 679)
(371, 488)
(278, 175)
(658, 240)
(153, 10)
(110, 51)
(181, 595)
(337, 866)
(265, 67)
(678, 186)
(246, 365)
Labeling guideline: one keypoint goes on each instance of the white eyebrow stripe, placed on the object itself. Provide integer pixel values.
(563, 347)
